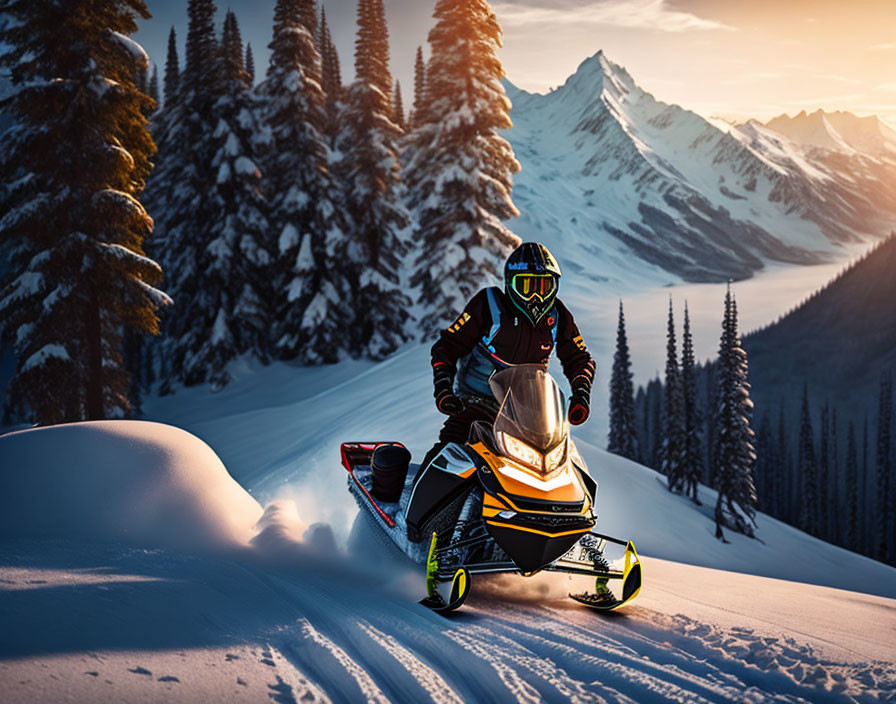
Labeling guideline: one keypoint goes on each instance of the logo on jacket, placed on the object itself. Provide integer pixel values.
(460, 322)
(580, 343)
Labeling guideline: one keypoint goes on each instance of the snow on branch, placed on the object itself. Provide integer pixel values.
(133, 48)
(45, 353)
(124, 254)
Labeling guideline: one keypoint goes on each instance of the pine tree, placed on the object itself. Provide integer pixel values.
(211, 213)
(863, 498)
(419, 90)
(242, 245)
(459, 168)
(736, 504)
(73, 226)
(807, 470)
(398, 108)
(765, 463)
(369, 169)
(623, 439)
(824, 458)
(782, 497)
(691, 453)
(153, 90)
(834, 486)
(314, 296)
(642, 415)
(172, 69)
(250, 64)
(655, 402)
(851, 538)
(884, 466)
(673, 416)
(331, 77)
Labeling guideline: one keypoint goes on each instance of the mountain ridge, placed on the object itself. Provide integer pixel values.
(694, 198)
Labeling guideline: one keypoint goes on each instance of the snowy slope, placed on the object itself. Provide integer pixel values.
(637, 187)
(840, 131)
(289, 619)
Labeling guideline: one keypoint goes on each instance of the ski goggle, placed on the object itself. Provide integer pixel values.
(529, 286)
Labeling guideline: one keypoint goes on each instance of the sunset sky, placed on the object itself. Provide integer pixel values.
(732, 58)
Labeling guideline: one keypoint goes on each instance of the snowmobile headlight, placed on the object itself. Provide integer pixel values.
(556, 458)
(520, 451)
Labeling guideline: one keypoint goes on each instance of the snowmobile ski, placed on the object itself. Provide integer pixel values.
(460, 583)
(602, 599)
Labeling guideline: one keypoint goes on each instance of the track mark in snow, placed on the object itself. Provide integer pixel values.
(369, 689)
(520, 690)
(291, 686)
(431, 681)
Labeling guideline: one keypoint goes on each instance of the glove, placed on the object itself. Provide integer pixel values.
(579, 407)
(446, 401)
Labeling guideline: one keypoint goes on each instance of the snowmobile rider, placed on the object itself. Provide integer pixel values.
(522, 324)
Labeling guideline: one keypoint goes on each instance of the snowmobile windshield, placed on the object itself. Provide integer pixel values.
(531, 425)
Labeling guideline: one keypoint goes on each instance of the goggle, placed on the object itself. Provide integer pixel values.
(529, 286)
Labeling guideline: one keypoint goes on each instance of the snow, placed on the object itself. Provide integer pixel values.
(100, 622)
(603, 160)
(129, 555)
(44, 354)
(246, 167)
(133, 48)
(146, 484)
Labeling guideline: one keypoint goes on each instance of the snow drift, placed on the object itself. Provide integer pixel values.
(144, 484)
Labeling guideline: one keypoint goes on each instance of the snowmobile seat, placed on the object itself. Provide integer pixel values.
(389, 467)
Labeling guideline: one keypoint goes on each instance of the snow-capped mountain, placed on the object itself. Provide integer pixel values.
(838, 131)
(614, 178)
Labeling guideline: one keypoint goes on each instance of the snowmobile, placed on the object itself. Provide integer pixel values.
(516, 498)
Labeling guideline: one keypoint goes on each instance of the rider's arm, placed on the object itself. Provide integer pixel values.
(578, 365)
(459, 338)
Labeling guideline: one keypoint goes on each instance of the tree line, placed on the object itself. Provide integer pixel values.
(293, 219)
(689, 436)
(821, 472)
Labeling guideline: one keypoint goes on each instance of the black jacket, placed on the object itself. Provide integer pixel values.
(517, 341)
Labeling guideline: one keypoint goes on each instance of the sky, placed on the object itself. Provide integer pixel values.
(729, 58)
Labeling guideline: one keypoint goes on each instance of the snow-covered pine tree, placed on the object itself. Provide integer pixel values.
(172, 68)
(241, 243)
(622, 439)
(851, 534)
(460, 169)
(736, 504)
(369, 170)
(884, 467)
(398, 116)
(673, 447)
(210, 214)
(419, 90)
(314, 296)
(250, 63)
(77, 157)
(807, 470)
(692, 456)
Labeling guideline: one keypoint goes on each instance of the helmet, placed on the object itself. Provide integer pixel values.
(531, 280)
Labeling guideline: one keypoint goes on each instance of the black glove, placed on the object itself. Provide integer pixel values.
(443, 382)
(579, 407)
